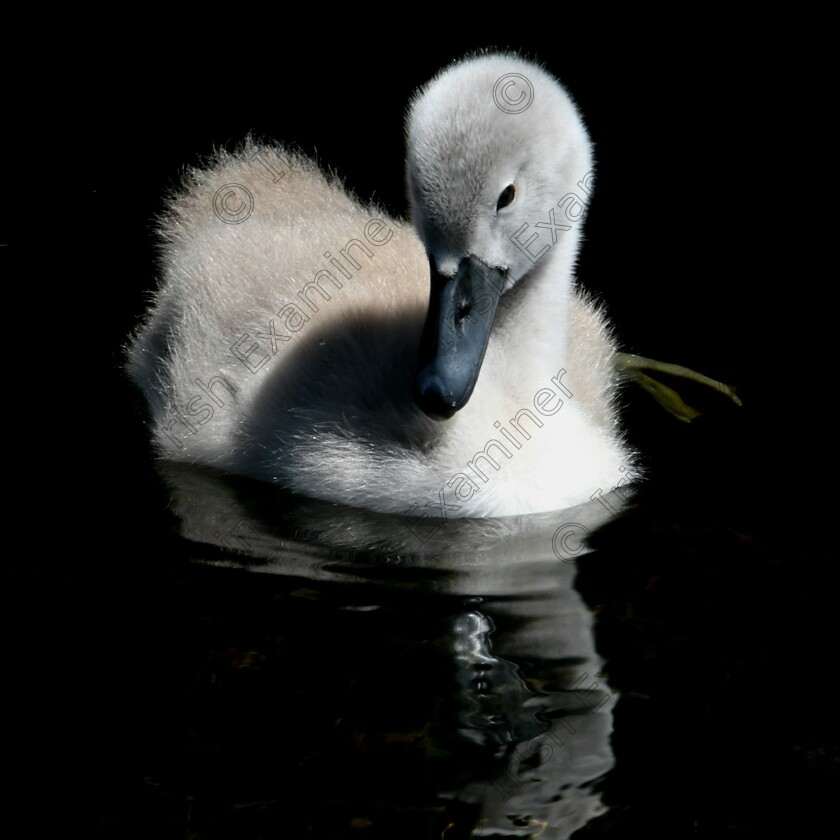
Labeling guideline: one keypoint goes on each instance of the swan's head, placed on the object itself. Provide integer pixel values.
(494, 144)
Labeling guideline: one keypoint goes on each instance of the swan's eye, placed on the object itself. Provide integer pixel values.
(507, 196)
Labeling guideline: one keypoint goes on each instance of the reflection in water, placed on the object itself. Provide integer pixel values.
(443, 683)
(554, 736)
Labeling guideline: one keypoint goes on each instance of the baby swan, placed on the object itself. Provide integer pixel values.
(295, 339)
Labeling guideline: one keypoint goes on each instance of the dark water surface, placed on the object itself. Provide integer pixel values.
(292, 669)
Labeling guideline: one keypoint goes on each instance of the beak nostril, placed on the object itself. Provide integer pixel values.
(462, 312)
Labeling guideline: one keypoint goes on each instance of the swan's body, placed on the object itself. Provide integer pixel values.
(283, 345)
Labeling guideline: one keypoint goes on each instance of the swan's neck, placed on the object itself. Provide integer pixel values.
(536, 312)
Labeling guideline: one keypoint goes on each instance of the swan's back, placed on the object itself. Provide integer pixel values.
(275, 281)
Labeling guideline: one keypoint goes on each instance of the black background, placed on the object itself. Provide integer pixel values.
(682, 234)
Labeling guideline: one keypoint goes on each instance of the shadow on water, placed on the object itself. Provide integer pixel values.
(484, 678)
(444, 683)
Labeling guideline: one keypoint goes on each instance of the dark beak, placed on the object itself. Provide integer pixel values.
(455, 336)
